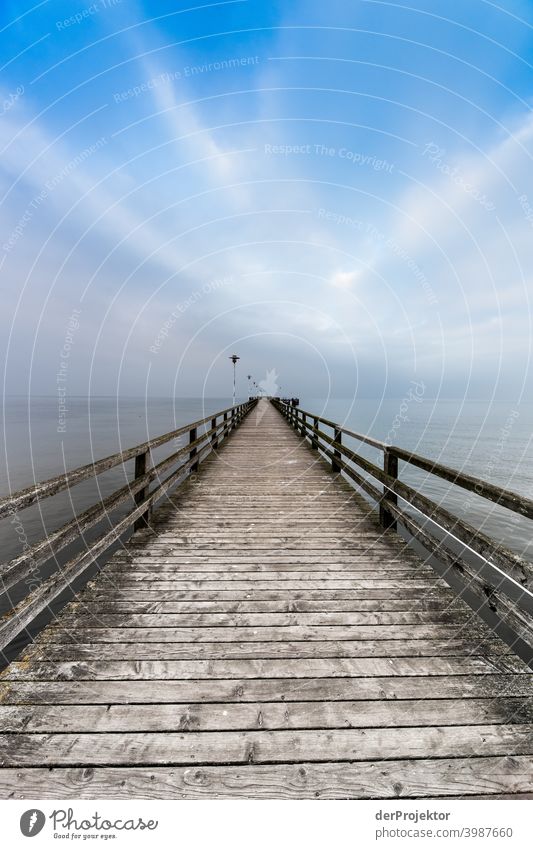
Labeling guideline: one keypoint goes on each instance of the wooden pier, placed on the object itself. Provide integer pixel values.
(263, 635)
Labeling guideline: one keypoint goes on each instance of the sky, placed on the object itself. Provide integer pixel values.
(341, 193)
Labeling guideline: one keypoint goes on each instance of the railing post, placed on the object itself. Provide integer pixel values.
(225, 427)
(390, 467)
(193, 451)
(141, 463)
(338, 440)
(214, 438)
(303, 429)
(314, 440)
(232, 424)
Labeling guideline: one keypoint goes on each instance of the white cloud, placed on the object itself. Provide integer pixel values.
(345, 279)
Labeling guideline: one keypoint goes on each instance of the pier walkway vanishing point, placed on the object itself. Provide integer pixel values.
(264, 636)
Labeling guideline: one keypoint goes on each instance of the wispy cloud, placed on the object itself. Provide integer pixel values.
(243, 173)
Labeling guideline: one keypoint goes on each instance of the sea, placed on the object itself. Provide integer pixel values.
(491, 440)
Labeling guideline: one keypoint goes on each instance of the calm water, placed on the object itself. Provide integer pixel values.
(492, 442)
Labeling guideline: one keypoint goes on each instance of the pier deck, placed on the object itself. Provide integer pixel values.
(266, 638)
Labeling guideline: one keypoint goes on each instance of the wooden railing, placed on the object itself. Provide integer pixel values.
(25, 567)
(509, 592)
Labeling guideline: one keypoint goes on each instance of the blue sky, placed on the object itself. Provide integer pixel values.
(341, 192)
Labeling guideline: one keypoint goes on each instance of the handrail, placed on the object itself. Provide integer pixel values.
(363, 437)
(46, 549)
(509, 567)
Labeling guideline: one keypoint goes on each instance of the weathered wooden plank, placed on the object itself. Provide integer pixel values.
(234, 690)
(482, 777)
(263, 716)
(264, 746)
(132, 581)
(139, 593)
(413, 606)
(81, 619)
(262, 634)
(285, 649)
(180, 553)
(282, 520)
(265, 512)
(120, 578)
(326, 668)
(252, 556)
(281, 544)
(208, 568)
(175, 549)
(259, 542)
(334, 539)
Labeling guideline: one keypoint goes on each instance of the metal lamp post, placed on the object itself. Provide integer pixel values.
(234, 359)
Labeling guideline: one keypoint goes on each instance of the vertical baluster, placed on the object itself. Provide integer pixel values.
(390, 467)
(141, 465)
(338, 441)
(314, 440)
(193, 451)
